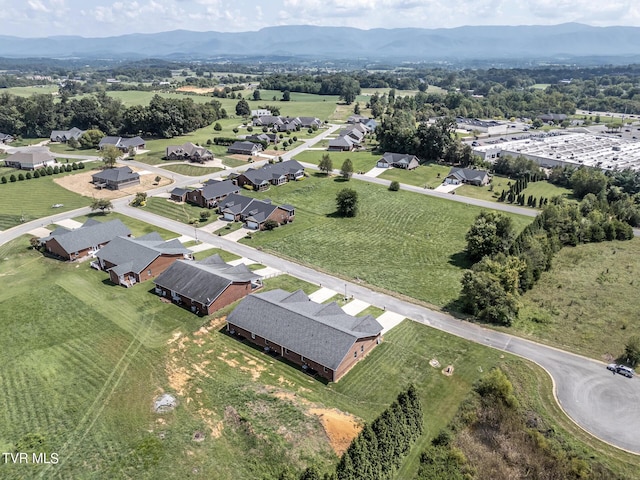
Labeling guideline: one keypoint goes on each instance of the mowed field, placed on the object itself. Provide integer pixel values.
(399, 241)
(85, 360)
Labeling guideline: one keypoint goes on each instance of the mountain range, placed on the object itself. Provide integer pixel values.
(565, 41)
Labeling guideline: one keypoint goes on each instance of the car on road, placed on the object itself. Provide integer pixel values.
(613, 367)
(626, 371)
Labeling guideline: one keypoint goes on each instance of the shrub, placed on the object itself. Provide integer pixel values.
(12, 178)
(235, 130)
(270, 224)
(20, 177)
(295, 139)
(68, 167)
(74, 166)
(28, 176)
(249, 129)
(49, 170)
(36, 174)
(217, 127)
(81, 166)
(310, 131)
(56, 170)
(204, 215)
(394, 186)
(209, 142)
(4, 179)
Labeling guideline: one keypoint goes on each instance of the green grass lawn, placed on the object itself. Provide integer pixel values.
(362, 161)
(289, 283)
(226, 256)
(228, 228)
(423, 175)
(584, 303)
(31, 199)
(29, 91)
(537, 189)
(400, 241)
(181, 212)
(137, 227)
(191, 170)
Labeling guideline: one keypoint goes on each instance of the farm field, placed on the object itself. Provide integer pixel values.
(362, 161)
(85, 362)
(430, 174)
(399, 241)
(33, 90)
(31, 199)
(537, 189)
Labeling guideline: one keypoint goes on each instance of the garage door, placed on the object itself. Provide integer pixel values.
(253, 225)
(229, 216)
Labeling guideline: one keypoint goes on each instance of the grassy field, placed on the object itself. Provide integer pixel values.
(400, 241)
(583, 303)
(191, 170)
(181, 212)
(86, 359)
(537, 189)
(32, 199)
(362, 161)
(430, 174)
(29, 91)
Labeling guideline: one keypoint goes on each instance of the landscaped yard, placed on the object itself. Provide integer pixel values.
(430, 174)
(400, 241)
(362, 161)
(537, 189)
(191, 170)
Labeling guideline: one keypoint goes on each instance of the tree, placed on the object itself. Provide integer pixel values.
(632, 351)
(217, 127)
(347, 202)
(242, 108)
(91, 138)
(394, 186)
(13, 178)
(490, 234)
(347, 169)
(3, 180)
(140, 200)
(102, 204)
(270, 224)
(109, 155)
(34, 242)
(256, 95)
(286, 96)
(326, 164)
(131, 152)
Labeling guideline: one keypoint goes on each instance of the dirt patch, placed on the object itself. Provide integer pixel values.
(196, 89)
(237, 156)
(434, 363)
(448, 370)
(340, 427)
(80, 183)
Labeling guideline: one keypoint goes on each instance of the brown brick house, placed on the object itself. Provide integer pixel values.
(271, 174)
(320, 338)
(254, 212)
(211, 193)
(134, 260)
(86, 240)
(206, 285)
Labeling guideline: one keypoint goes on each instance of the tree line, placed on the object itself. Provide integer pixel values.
(36, 116)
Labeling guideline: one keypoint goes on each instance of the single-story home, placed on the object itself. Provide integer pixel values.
(123, 144)
(83, 241)
(244, 148)
(64, 136)
(353, 132)
(134, 260)
(115, 178)
(308, 122)
(254, 212)
(271, 174)
(6, 138)
(552, 117)
(206, 285)
(398, 160)
(211, 193)
(470, 176)
(188, 151)
(343, 144)
(320, 338)
(179, 194)
(357, 119)
(31, 160)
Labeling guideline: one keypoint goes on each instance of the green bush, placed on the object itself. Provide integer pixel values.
(74, 166)
(56, 170)
(20, 177)
(13, 178)
(3, 180)
(270, 224)
(28, 176)
(394, 186)
(36, 174)
(68, 167)
(204, 215)
(49, 170)
(81, 166)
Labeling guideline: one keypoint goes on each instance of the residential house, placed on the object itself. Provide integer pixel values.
(320, 338)
(211, 193)
(552, 117)
(470, 176)
(206, 285)
(271, 174)
(86, 240)
(31, 160)
(179, 194)
(398, 160)
(260, 113)
(254, 212)
(357, 119)
(6, 138)
(355, 133)
(245, 148)
(115, 178)
(263, 137)
(123, 144)
(310, 122)
(134, 260)
(63, 136)
(188, 151)
(343, 144)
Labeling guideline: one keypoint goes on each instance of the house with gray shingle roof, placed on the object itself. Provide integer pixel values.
(123, 143)
(115, 178)
(83, 241)
(254, 212)
(271, 174)
(6, 138)
(398, 160)
(188, 151)
(345, 143)
(458, 175)
(320, 338)
(30, 160)
(244, 148)
(63, 136)
(134, 260)
(206, 285)
(211, 193)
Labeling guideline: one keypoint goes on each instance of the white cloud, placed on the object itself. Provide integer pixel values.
(38, 6)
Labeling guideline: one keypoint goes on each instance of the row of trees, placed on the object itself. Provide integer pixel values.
(38, 115)
(42, 172)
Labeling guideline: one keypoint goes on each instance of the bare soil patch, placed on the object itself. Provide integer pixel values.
(196, 89)
(448, 370)
(340, 427)
(237, 156)
(80, 183)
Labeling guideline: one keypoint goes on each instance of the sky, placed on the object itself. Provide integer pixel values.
(101, 18)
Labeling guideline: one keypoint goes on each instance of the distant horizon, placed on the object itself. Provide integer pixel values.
(109, 18)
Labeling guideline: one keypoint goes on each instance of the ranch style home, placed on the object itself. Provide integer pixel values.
(134, 260)
(206, 285)
(188, 151)
(254, 212)
(260, 179)
(6, 138)
(115, 178)
(319, 338)
(210, 194)
(244, 148)
(63, 136)
(86, 240)
(470, 176)
(123, 144)
(30, 160)
(398, 160)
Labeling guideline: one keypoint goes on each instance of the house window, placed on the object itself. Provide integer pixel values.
(324, 369)
(362, 348)
(355, 354)
(301, 358)
(149, 272)
(266, 342)
(253, 336)
(286, 351)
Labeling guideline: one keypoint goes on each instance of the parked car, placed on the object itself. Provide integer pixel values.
(626, 371)
(613, 367)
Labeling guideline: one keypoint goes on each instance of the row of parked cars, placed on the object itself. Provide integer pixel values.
(620, 369)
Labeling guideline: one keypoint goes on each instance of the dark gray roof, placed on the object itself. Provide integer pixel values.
(467, 174)
(120, 174)
(342, 142)
(89, 236)
(322, 333)
(245, 146)
(398, 158)
(219, 189)
(179, 191)
(235, 203)
(477, 123)
(65, 135)
(5, 137)
(188, 149)
(138, 253)
(258, 211)
(205, 280)
(121, 142)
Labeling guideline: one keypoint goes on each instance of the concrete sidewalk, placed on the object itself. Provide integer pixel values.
(322, 295)
(354, 307)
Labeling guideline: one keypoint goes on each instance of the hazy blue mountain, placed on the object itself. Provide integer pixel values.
(495, 42)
